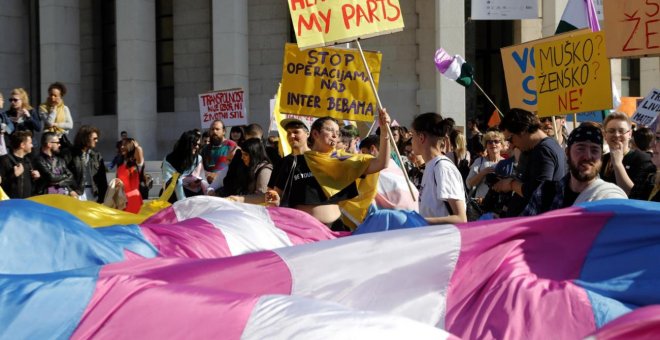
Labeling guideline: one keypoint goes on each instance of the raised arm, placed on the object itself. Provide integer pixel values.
(379, 163)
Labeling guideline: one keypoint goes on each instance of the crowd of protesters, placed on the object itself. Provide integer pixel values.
(525, 166)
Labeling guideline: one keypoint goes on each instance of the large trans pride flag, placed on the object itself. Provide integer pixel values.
(210, 268)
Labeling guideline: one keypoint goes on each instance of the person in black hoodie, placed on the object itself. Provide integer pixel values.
(87, 166)
(55, 178)
(16, 168)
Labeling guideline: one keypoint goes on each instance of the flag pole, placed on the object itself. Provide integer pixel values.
(487, 97)
(389, 132)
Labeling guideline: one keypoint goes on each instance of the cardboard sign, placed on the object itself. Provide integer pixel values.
(648, 109)
(633, 27)
(227, 105)
(573, 75)
(329, 82)
(504, 9)
(319, 23)
(519, 73)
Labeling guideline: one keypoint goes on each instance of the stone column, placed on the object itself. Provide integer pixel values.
(230, 46)
(450, 35)
(552, 12)
(136, 72)
(649, 73)
(59, 43)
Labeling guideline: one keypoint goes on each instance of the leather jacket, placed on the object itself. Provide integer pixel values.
(54, 173)
(74, 161)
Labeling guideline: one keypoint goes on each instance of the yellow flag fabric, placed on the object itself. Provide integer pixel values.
(335, 171)
(99, 215)
(3, 195)
(283, 145)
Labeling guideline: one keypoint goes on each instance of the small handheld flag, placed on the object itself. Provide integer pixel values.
(454, 67)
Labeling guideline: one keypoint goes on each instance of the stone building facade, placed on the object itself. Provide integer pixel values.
(138, 65)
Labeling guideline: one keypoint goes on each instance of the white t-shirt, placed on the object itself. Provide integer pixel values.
(441, 181)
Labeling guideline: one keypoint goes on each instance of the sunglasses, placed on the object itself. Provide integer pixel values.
(14, 99)
(494, 141)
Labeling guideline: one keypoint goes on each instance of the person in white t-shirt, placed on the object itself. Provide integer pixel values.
(442, 193)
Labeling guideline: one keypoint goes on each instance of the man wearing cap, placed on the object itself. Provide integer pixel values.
(582, 184)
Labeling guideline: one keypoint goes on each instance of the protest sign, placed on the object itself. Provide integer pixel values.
(573, 75)
(319, 23)
(504, 9)
(227, 105)
(519, 63)
(633, 28)
(648, 109)
(328, 81)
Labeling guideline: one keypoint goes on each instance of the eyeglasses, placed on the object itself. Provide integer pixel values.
(493, 141)
(14, 99)
(331, 130)
(615, 131)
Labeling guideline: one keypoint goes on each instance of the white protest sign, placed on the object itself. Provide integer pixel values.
(648, 109)
(227, 105)
(504, 9)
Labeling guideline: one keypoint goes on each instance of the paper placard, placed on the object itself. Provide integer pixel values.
(573, 75)
(633, 28)
(226, 105)
(319, 23)
(329, 82)
(518, 62)
(648, 109)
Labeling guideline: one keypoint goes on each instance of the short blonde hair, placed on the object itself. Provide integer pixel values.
(617, 116)
(21, 93)
(489, 135)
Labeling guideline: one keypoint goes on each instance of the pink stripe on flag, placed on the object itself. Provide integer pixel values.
(194, 238)
(443, 60)
(300, 226)
(165, 216)
(181, 298)
(513, 277)
(642, 323)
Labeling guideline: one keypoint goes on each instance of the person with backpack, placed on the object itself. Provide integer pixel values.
(442, 194)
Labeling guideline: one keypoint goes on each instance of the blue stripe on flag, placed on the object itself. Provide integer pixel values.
(129, 237)
(621, 271)
(35, 238)
(45, 306)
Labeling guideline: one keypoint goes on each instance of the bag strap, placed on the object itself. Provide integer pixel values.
(289, 179)
(467, 198)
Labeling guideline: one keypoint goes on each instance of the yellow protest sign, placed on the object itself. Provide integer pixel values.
(633, 28)
(329, 82)
(519, 63)
(573, 75)
(319, 23)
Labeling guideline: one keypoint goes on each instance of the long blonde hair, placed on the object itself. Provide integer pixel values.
(25, 100)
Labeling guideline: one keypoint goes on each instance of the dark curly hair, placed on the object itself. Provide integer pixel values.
(519, 120)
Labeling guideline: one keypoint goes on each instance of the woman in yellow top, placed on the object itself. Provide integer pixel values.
(326, 182)
(56, 115)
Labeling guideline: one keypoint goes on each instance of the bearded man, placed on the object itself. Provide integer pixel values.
(582, 184)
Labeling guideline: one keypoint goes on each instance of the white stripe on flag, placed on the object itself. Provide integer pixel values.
(380, 271)
(246, 227)
(295, 317)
